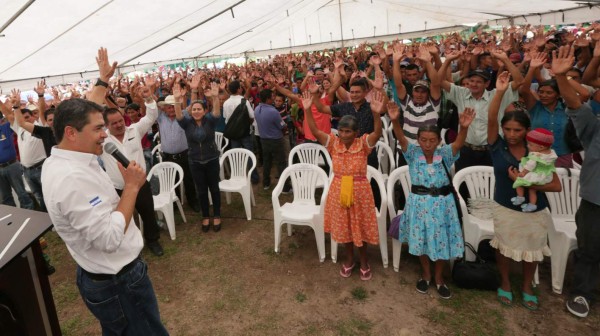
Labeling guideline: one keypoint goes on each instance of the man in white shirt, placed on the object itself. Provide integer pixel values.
(32, 154)
(95, 224)
(247, 142)
(129, 142)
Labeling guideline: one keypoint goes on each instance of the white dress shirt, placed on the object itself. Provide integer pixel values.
(81, 202)
(31, 149)
(131, 146)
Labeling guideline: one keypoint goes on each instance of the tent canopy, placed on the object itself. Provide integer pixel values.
(60, 38)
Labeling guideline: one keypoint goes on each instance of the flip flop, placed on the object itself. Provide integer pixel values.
(530, 301)
(502, 294)
(365, 274)
(346, 272)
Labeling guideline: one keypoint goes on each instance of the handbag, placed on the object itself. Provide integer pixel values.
(476, 274)
(454, 195)
(394, 230)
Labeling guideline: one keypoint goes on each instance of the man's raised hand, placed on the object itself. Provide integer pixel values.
(104, 67)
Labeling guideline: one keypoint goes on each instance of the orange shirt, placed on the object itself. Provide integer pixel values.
(323, 120)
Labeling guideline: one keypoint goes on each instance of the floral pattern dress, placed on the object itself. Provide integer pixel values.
(430, 224)
(358, 223)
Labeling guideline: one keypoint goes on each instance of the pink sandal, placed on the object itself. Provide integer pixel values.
(346, 272)
(365, 275)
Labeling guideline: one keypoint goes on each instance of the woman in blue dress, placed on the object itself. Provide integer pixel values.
(430, 223)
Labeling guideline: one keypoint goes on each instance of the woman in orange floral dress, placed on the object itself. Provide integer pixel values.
(350, 209)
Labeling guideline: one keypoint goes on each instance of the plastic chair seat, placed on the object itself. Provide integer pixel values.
(297, 212)
(239, 159)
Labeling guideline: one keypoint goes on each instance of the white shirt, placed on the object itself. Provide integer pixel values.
(81, 202)
(230, 104)
(31, 149)
(131, 146)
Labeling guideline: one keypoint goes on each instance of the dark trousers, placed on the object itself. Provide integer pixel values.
(188, 182)
(125, 304)
(144, 204)
(468, 158)
(587, 268)
(273, 150)
(206, 177)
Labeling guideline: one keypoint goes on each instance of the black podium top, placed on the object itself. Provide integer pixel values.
(18, 229)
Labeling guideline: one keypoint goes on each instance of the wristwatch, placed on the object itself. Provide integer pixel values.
(100, 82)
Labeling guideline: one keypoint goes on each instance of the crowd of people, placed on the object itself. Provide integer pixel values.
(522, 105)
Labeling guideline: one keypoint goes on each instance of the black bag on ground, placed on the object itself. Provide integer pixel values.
(476, 274)
(238, 125)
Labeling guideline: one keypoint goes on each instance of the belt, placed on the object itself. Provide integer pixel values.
(482, 148)
(103, 277)
(7, 163)
(174, 156)
(432, 191)
(39, 164)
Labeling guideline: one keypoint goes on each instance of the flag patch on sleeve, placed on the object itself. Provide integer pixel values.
(95, 201)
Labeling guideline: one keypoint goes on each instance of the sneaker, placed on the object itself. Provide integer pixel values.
(444, 291)
(422, 286)
(155, 248)
(517, 200)
(578, 306)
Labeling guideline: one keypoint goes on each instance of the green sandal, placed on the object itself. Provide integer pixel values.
(530, 301)
(502, 294)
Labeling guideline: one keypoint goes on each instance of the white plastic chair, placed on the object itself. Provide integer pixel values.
(313, 154)
(561, 234)
(157, 152)
(398, 175)
(169, 175)
(385, 157)
(303, 210)
(156, 137)
(221, 142)
(481, 183)
(381, 215)
(239, 181)
(334, 131)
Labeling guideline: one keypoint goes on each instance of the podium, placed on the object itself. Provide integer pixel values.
(26, 303)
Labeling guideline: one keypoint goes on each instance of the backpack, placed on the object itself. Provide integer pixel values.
(238, 125)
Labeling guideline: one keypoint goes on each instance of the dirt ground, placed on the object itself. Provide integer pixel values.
(232, 283)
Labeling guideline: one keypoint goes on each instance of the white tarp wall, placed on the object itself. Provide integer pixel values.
(58, 39)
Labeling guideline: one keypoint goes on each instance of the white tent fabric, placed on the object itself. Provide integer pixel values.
(59, 39)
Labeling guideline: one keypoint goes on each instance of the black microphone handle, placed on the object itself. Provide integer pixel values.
(121, 158)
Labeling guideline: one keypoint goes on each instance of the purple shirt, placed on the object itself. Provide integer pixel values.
(7, 146)
(269, 122)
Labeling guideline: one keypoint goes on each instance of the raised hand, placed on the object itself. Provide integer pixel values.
(15, 97)
(306, 100)
(453, 55)
(313, 87)
(104, 67)
(393, 110)
(150, 82)
(562, 61)
(377, 103)
(597, 49)
(502, 81)
(465, 118)
(145, 91)
(195, 81)
(214, 89)
(378, 82)
(537, 60)
(398, 54)
(40, 88)
(499, 54)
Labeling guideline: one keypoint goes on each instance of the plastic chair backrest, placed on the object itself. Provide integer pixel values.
(221, 141)
(375, 174)
(566, 202)
(169, 175)
(480, 181)
(309, 153)
(385, 157)
(158, 149)
(401, 175)
(156, 137)
(305, 178)
(238, 162)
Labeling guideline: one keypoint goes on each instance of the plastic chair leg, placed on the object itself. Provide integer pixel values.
(181, 211)
(396, 249)
(558, 263)
(247, 206)
(383, 244)
(334, 248)
(170, 219)
(320, 237)
(277, 235)
(228, 197)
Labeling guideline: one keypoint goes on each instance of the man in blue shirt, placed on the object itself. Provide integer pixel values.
(270, 127)
(11, 171)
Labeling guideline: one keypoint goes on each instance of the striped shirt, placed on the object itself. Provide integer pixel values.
(418, 116)
(172, 136)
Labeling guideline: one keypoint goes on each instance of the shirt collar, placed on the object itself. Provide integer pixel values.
(84, 158)
(486, 95)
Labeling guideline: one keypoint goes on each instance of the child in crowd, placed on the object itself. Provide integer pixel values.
(536, 168)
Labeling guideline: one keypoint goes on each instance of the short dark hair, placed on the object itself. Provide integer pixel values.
(362, 83)
(108, 111)
(201, 102)
(133, 106)
(265, 95)
(74, 113)
(234, 86)
(49, 112)
(348, 121)
(519, 116)
(430, 128)
(412, 66)
(26, 111)
(552, 84)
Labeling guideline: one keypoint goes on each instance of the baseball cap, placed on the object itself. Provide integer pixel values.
(481, 73)
(421, 83)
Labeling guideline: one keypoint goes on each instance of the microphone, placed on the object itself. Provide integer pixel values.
(112, 149)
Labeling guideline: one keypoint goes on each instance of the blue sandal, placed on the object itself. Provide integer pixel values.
(502, 294)
(530, 301)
